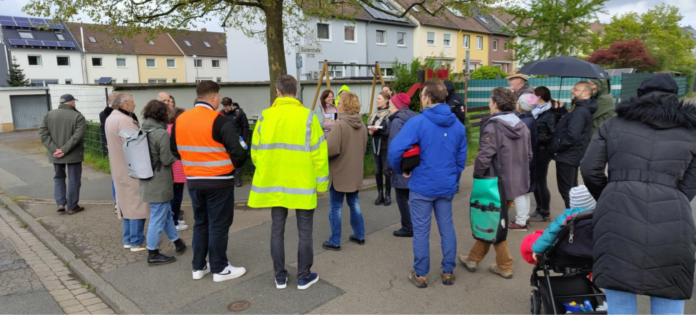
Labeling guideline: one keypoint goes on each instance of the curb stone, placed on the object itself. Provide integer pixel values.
(106, 291)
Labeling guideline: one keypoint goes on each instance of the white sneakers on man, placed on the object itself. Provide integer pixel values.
(230, 272)
(199, 274)
(181, 227)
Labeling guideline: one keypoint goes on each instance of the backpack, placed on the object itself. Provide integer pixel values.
(136, 150)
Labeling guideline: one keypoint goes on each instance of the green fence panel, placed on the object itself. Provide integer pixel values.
(683, 86)
(632, 82)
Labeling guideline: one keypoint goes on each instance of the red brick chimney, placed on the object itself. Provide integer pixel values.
(204, 30)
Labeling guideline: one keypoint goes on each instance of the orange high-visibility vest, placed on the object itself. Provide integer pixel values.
(201, 156)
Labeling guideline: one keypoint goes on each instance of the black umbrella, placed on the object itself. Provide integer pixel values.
(565, 67)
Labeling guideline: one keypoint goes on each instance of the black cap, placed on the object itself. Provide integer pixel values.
(658, 83)
(67, 98)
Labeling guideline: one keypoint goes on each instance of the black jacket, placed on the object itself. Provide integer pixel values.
(456, 103)
(546, 126)
(239, 119)
(644, 233)
(102, 133)
(573, 133)
(530, 122)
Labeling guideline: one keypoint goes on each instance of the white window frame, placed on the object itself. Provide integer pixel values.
(330, 30)
(397, 39)
(466, 41)
(355, 33)
(332, 70)
(212, 63)
(495, 45)
(156, 80)
(67, 66)
(384, 43)
(187, 43)
(27, 34)
(444, 36)
(479, 40)
(101, 60)
(198, 63)
(60, 36)
(125, 63)
(171, 59)
(434, 39)
(154, 62)
(39, 62)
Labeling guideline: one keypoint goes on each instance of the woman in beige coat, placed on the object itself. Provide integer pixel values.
(130, 208)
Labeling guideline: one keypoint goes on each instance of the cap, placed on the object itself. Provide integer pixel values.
(401, 100)
(528, 102)
(519, 75)
(67, 98)
(580, 197)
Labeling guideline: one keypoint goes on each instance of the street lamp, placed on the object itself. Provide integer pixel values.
(195, 65)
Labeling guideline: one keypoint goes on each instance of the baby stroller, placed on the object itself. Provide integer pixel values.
(571, 257)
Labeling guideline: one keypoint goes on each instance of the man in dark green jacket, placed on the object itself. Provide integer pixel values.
(63, 133)
(601, 91)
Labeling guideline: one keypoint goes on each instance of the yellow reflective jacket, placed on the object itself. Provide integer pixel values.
(344, 88)
(289, 151)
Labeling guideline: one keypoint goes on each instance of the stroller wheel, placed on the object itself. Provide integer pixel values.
(535, 300)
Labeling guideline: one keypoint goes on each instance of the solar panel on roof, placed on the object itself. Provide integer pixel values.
(51, 43)
(8, 23)
(18, 42)
(383, 16)
(6, 18)
(34, 43)
(24, 24)
(66, 44)
(57, 27)
(21, 19)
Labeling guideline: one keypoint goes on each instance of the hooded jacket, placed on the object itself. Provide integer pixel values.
(159, 188)
(397, 121)
(344, 88)
(605, 103)
(442, 141)
(574, 132)
(347, 145)
(644, 233)
(547, 122)
(505, 141)
(456, 103)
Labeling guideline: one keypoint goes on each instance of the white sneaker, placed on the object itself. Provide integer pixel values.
(181, 227)
(199, 274)
(230, 272)
(281, 284)
(182, 222)
(126, 246)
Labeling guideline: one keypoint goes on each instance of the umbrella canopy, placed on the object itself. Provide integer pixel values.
(565, 67)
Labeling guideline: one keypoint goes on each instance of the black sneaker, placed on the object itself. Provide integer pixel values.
(76, 209)
(155, 258)
(329, 246)
(355, 240)
(402, 233)
(538, 217)
(180, 246)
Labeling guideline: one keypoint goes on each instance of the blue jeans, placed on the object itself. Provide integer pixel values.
(356, 217)
(421, 215)
(627, 303)
(113, 192)
(133, 231)
(161, 219)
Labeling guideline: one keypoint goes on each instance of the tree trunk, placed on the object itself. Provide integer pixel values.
(275, 43)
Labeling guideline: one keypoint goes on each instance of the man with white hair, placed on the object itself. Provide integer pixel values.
(165, 98)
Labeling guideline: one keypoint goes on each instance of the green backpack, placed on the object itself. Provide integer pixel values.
(488, 212)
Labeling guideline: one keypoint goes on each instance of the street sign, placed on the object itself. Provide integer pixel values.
(298, 61)
(311, 50)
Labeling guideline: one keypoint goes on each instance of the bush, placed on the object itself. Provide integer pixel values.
(488, 73)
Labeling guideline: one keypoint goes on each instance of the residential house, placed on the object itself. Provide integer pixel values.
(475, 40)
(159, 59)
(500, 52)
(45, 51)
(106, 58)
(370, 37)
(205, 55)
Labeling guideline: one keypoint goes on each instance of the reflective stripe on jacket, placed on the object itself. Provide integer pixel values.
(201, 155)
(291, 157)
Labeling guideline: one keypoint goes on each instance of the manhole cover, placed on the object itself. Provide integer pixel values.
(238, 306)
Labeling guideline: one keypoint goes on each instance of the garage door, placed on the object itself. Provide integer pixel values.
(28, 111)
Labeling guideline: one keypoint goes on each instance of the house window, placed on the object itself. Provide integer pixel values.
(187, 43)
(466, 41)
(401, 39)
(174, 80)
(495, 45)
(152, 44)
(324, 31)
(198, 63)
(151, 63)
(431, 39)
(118, 41)
(121, 62)
(218, 79)
(25, 35)
(157, 81)
(125, 81)
(34, 60)
(43, 82)
(505, 46)
(206, 44)
(92, 39)
(387, 72)
(381, 37)
(68, 81)
(446, 40)
(216, 63)
(60, 36)
(572, 51)
(479, 42)
(349, 34)
(63, 61)
(334, 71)
(171, 63)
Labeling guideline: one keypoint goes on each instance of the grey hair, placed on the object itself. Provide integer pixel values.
(119, 100)
(112, 97)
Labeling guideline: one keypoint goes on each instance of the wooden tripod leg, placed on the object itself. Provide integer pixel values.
(374, 83)
(326, 70)
(379, 72)
(321, 79)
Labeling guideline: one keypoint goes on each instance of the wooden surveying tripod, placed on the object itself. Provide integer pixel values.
(325, 72)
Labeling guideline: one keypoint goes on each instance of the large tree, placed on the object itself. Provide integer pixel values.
(630, 54)
(16, 77)
(659, 29)
(552, 28)
(284, 20)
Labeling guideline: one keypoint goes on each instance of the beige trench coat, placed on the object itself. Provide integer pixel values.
(127, 188)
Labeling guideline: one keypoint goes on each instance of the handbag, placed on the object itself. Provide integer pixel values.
(410, 159)
(488, 207)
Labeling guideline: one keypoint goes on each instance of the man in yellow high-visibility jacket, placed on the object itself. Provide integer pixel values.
(290, 154)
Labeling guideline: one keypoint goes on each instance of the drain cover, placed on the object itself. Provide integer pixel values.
(238, 306)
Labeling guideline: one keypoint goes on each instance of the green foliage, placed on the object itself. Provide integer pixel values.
(16, 77)
(488, 73)
(406, 75)
(553, 28)
(659, 30)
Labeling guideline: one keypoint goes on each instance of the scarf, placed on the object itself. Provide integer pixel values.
(377, 117)
(541, 109)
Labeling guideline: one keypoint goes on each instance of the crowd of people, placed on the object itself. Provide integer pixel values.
(638, 168)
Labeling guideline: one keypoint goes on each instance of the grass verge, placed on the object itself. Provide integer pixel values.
(97, 161)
